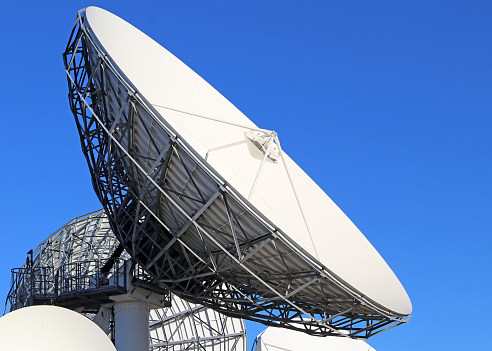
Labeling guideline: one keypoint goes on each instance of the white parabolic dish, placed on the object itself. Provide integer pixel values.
(230, 142)
(51, 328)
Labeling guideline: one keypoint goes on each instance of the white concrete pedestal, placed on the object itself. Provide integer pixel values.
(131, 325)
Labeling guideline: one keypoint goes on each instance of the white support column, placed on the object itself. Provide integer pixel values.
(131, 325)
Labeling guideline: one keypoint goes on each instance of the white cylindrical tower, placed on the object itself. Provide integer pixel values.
(131, 325)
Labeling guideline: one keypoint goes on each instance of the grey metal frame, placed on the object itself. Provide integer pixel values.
(185, 225)
(186, 326)
(70, 269)
(67, 269)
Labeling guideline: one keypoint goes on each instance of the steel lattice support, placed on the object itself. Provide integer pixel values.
(185, 326)
(73, 268)
(80, 265)
(185, 225)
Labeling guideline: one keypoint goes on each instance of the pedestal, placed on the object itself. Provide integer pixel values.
(131, 326)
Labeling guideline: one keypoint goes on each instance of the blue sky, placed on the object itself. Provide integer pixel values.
(385, 104)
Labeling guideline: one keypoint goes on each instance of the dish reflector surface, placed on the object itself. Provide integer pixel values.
(51, 328)
(216, 129)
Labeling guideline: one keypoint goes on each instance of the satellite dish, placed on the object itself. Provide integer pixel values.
(280, 339)
(67, 266)
(51, 328)
(207, 202)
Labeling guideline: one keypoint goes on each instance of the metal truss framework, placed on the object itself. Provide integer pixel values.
(185, 225)
(186, 326)
(73, 268)
(77, 256)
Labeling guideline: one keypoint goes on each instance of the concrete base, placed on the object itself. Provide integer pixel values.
(131, 325)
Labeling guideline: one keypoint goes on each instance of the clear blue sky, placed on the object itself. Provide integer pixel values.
(385, 104)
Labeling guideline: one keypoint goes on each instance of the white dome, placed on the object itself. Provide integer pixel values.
(51, 328)
(280, 339)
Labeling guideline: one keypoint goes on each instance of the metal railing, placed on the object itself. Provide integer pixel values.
(44, 285)
(86, 275)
